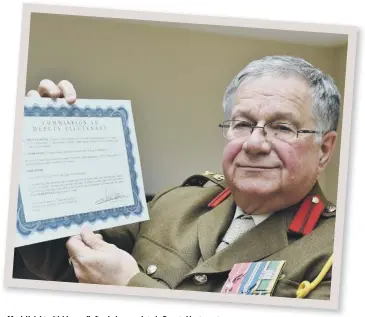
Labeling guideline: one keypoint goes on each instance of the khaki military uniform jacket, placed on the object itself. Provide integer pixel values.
(175, 249)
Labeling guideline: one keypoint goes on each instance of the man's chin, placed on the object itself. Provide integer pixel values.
(255, 187)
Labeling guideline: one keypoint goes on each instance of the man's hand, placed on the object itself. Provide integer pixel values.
(98, 262)
(48, 88)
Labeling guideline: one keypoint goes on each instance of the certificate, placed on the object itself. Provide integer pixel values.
(80, 166)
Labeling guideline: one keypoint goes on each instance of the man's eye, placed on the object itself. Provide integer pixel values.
(282, 127)
(241, 125)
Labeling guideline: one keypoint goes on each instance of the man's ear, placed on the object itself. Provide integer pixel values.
(327, 148)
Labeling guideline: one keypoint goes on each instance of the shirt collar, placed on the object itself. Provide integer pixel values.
(257, 219)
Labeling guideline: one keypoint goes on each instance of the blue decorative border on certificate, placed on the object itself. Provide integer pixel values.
(26, 228)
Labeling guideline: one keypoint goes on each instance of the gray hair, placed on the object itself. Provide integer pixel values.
(325, 95)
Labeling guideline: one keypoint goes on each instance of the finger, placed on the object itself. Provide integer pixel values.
(99, 236)
(68, 91)
(78, 237)
(70, 250)
(76, 248)
(91, 239)
(79, 272)
(47, 88)
(33, 93)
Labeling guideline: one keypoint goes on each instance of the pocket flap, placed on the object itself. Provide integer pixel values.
(160, 262)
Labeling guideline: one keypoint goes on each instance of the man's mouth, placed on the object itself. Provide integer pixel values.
(257, 167)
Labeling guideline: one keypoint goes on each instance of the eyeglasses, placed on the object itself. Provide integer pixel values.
(233, 129)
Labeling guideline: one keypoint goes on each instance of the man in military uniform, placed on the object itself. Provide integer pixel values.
(268, 205)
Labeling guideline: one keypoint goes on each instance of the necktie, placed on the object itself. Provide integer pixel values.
(238, 227)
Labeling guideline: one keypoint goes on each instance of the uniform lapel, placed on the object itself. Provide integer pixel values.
(213, 225)
(267, 238)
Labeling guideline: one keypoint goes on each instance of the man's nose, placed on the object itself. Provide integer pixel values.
(257, 143)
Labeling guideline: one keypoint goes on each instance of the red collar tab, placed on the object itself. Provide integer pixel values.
(307, 216)
(218, 199)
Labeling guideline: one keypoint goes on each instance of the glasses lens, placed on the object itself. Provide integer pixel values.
(282, 131)
(236, 129)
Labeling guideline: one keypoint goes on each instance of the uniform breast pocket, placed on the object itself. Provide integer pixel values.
(159, 261)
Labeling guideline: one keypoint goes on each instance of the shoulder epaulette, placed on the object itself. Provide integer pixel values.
(309, 213)
(201, 179)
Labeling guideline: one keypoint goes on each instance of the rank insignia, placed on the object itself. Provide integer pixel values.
(253, 278)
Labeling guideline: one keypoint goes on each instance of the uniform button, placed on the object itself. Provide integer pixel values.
(151, 269)
(200, 279)
(315, 200)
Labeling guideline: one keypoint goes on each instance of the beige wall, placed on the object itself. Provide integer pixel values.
(175, 79)
(331, 173)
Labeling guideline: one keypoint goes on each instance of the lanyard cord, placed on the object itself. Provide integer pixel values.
(306, 287)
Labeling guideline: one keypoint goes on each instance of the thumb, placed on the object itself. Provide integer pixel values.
(91, 239)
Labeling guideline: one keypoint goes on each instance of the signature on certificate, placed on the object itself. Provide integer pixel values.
(109, 197)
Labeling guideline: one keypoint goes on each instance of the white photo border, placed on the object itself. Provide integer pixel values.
(350, 31)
